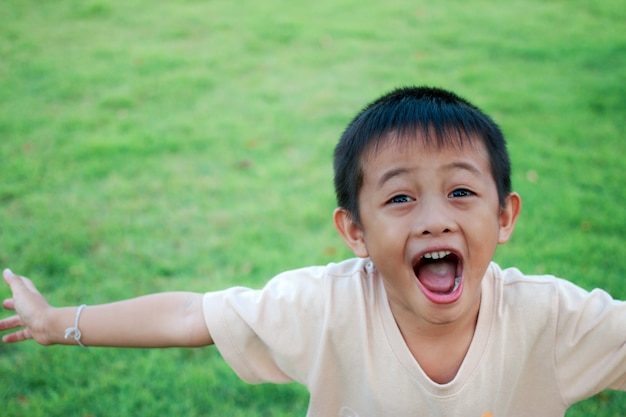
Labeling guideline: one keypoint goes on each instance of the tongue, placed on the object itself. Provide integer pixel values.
(438, 276)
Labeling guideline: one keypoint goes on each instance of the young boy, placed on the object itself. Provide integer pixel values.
(421, 322)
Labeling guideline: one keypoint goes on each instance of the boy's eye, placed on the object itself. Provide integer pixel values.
(400, 199)
(461, 192)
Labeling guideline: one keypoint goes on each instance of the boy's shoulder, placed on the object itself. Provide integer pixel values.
(542, 295)
(345, 268)
(514, 279)
(354, 271)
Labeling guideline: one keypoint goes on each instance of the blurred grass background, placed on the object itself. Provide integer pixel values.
(153, 146)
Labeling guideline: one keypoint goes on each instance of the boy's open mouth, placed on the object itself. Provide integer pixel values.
(439, 274)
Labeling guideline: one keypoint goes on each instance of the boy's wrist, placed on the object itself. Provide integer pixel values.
(53, 326)
(74, 332)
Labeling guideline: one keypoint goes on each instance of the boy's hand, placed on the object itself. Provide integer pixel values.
(31, 308)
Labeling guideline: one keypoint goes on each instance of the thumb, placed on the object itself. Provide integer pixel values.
(8, 276)
(17, 283)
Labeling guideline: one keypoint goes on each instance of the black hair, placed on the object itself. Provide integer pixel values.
(401, 114)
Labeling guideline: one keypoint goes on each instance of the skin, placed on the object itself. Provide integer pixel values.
(416, 200)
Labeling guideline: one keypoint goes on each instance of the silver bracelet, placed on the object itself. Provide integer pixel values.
(73, 331)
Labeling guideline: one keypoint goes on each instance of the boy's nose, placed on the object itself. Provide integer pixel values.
(433, 219)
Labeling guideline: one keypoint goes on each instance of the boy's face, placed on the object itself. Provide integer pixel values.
(430, 222)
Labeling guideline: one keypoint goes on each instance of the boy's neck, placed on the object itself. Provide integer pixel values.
(439, 349)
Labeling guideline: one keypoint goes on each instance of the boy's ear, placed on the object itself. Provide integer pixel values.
(508, 217)
(351, 233)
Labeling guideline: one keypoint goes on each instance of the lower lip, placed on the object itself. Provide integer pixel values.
(439, 298)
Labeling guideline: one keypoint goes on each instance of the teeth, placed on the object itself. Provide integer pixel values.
(457, 282)
(437, 255)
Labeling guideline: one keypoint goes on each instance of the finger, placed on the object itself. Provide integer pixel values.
(9, 304)
(7, 273)
(12, 322)
(18, 336)
(16, 282)
(9, 277)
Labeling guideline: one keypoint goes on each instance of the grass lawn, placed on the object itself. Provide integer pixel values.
(153, 146)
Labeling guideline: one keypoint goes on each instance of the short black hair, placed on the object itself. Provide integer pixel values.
(404, 112)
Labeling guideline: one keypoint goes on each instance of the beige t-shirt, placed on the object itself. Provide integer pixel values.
(540, 344)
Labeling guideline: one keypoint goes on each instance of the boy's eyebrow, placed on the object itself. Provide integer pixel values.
(393, 173)
(462, 165)
(466, 166)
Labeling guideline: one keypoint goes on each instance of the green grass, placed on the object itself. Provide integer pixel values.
(187, 145)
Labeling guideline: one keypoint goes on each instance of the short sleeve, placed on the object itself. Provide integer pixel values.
(590, 342)
(269, 335)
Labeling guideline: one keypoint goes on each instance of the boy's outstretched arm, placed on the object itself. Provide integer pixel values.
(157, 320)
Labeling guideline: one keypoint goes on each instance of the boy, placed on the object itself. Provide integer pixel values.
(421, 322)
